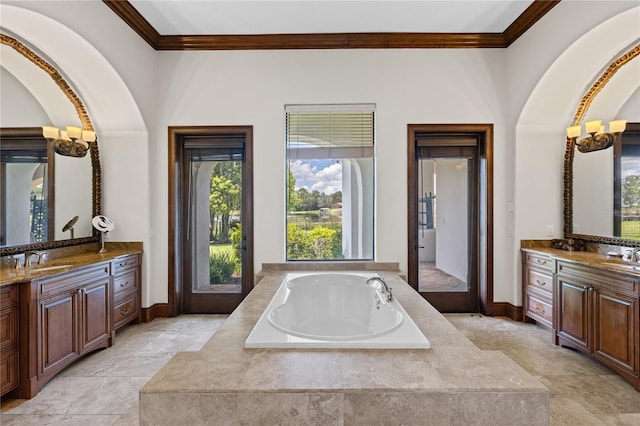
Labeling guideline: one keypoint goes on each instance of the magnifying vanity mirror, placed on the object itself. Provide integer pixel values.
(47, 200)
(602, 187)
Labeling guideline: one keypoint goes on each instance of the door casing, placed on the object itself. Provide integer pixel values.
(176, 271)
(484, 135)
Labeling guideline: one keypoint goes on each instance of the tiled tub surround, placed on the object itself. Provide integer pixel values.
(452, 383)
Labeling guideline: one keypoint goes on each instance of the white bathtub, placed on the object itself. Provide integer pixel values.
(334, 310)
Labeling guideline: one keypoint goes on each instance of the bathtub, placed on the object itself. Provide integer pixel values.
(334, 310)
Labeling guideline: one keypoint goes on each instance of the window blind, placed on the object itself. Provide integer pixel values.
(330, 131)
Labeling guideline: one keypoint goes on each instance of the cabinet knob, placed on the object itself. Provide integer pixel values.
(124, 284)
(541, 262)
(541, 282)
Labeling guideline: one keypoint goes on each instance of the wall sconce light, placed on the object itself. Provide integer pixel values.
(74, 142)
(598, 139)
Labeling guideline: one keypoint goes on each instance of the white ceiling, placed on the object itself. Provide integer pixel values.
(174, 17)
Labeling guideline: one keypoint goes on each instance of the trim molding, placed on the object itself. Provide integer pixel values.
(506, 309)
(159, 310)
(144, 29)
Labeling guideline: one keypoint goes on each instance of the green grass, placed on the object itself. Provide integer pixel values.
(217, 248)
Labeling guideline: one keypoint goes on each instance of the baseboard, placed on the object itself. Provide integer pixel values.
(506, 309)
(159, 310)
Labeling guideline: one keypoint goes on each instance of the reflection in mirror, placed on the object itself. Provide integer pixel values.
(600, 201)
(34, 94)
(626, 200)
(26, 195)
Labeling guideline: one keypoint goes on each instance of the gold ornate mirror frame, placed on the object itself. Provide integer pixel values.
(86, 124)
(587, 99)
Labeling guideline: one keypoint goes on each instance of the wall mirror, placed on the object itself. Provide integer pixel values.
(47, 200)
(602, 188)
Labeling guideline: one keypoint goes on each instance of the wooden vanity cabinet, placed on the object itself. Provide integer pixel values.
(598, 314)
(126, 290)
(537, 291)
(67, 316)
(9, 352)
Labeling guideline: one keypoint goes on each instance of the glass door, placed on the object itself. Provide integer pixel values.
(447, 223)
(214, 243)
(443, 236)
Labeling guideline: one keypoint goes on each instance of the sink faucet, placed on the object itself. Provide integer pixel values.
(28, 254)
(385, 288)
(633, 255)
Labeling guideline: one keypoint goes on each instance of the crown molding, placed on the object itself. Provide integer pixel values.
(140, 25)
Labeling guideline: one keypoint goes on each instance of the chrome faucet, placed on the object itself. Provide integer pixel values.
(385, 288)
(28, 254)
(633, 255)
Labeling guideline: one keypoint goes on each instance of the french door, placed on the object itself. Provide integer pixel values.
(448, 233)
(213, 213)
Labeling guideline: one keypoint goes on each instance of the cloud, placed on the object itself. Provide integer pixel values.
(323, 176)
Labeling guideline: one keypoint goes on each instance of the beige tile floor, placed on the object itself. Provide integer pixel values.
(102, 389)
(582, 392)
(431, 278)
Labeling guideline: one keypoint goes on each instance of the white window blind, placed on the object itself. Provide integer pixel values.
(330, 131)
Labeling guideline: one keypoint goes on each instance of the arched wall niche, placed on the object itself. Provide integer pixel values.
(540, 133)
(106, 97)
(108, 101)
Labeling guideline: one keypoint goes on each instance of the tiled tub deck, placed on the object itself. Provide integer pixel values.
(454, 383)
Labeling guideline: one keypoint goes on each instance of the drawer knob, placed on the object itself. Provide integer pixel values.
(124, 284)
(124, 263)
(540, 310)
(541, 282)
(541, 262)
(124, 311)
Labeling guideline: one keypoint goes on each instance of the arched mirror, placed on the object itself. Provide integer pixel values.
(47, 200)
(602, 187)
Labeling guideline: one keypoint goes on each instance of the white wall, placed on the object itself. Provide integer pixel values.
(18, 108)
(451, 230)
(149, 91)
(407, 86)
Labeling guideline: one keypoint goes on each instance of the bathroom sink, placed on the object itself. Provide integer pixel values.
(37, 269)
(623, 266)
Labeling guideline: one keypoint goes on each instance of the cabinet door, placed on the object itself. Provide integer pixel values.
(96, 316)
(57, 332)
(573, 312)
(615, 329)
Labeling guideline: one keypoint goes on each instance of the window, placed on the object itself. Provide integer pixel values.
(330, 182)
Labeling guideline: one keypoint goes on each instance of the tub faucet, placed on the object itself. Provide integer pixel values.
(385, 288)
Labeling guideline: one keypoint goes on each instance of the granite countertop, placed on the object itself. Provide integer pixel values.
(61, 265)
(592, 259)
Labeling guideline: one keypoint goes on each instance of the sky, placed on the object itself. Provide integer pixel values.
(325, 176)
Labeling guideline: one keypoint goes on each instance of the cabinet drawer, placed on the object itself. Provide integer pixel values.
(8, 295)
(57, 284)
(540, 280)
(539, 308)
(9, 327)
(126, 282)
(124, 262)
(540, 261)
(614, 281)
(8, 371)
(125, 311)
